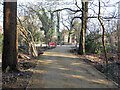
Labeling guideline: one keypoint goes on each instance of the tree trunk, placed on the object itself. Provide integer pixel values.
(58, 27)
(69, 35)
(119, 43)
(10, 42)
(119, 33)
(83, 30)
(29, 48)
(103, 35)
(80, 42)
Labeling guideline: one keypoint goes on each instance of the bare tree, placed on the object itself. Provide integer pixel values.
(103, 34)
(68, 24)
(83, 29)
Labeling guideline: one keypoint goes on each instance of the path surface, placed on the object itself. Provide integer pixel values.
(57, 68)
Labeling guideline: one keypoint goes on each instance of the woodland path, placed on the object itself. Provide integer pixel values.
(58, 68)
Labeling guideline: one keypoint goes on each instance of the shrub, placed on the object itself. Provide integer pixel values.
(93, 45)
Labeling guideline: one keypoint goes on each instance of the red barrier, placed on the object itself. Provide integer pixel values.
(52, 43)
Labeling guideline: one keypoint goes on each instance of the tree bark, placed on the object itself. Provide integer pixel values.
(119, 33)
(103, 35)
(84, 26)
(10, 42)
(119, 43)
(58, 27)
(69, 36)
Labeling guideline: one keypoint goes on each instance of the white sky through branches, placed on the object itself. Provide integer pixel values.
(109, 7)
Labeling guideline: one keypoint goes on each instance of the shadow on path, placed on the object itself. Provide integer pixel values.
(57, 68)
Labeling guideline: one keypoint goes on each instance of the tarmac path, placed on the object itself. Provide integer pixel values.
(58, 68)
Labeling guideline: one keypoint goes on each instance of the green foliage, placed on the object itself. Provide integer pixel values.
(36, 37)
(93, 43)
(1, 38)
(99, 48)
(48, 24)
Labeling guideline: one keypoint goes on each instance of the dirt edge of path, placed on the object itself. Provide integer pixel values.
(21, 78)
(97, 66)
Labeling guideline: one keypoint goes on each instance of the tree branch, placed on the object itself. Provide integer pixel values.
(68, 9)
(77, 5)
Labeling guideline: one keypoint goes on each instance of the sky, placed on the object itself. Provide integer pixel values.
(67, 3)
